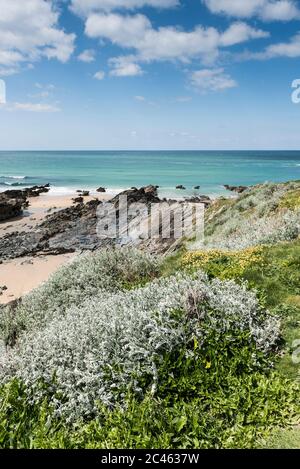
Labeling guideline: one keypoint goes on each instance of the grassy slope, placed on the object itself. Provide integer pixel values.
(274, 271)
(275, 274)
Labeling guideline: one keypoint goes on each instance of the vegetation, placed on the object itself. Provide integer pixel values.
(124, 350)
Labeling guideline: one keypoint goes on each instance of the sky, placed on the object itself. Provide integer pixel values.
(149, 74)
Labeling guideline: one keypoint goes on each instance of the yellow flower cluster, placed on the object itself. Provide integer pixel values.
(234, 261)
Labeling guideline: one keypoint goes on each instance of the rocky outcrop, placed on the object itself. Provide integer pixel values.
(238, 189)
(101, 189)
(201, 199)
(13, 201)
(11, 205)
(75, 228)
(180, 187)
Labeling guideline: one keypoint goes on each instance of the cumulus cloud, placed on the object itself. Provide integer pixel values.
(84, 7)
(99, 75)
(87, 56)
(212, 80)
(125, 66)
(267, 10)
(29, 31)
(166, 43)
(289, 49)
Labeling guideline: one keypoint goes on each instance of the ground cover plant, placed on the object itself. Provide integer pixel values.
(190, 351)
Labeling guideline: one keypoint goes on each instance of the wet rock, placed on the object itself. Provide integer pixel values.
(238, 189)
(181, 187)
(85, 193)
(197, 187)
(101, 189)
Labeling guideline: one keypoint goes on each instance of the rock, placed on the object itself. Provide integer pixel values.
(181, 187)
(201, 199)
(238, 189)
(101, 189)
(197, 187)
(85, 193)
(75, 228)
(11, 207)
(151, 190)
(78, 200)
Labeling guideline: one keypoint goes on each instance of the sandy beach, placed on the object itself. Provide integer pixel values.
(22, 275)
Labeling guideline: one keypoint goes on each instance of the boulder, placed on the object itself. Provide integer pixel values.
(78, 200)
(238, 189)
(101, 189)
(150, 190)
(11, 207)
(181, 187)
(197, 187)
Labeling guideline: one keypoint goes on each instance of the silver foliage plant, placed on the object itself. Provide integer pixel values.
(254, 219)
(86, 276)
(98, 350)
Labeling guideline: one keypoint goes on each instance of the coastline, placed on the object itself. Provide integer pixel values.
(22, 275)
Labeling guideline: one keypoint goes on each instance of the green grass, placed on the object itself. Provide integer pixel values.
(219, 396)
(277, 281)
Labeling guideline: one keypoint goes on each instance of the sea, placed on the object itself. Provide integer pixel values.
(68, 171)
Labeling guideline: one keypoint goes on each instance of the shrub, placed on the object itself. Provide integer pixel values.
(87, 276)
(224, 264)
(114, 342)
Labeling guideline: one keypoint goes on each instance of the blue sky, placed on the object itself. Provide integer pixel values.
(149, 74)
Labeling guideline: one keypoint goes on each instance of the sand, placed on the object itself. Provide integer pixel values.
(20, 276)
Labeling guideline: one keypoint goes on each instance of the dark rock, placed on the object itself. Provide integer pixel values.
(101, 189)
(197, 187)
(85, 193)
(10, 207)
(201, 199)
(78, 200)
(238, 189)
(181, 187)
(75, 228)
(151, 190)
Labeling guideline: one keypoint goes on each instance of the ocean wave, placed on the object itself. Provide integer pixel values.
(13, 177)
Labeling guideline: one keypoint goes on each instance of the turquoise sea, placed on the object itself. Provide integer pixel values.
(117, 170)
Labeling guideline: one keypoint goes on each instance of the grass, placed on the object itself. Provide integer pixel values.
(221, 393)
(274, 272)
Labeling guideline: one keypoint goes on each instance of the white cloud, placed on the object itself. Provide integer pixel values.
(84, 7)
(268, 10)
(240, 32)
(125, 66)
(2, 92)
(283, 49)
(142, 99)
(99, 75)
(87, 56)
(29, 31)
(212, 80)
(33, 107)
(166, 43)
